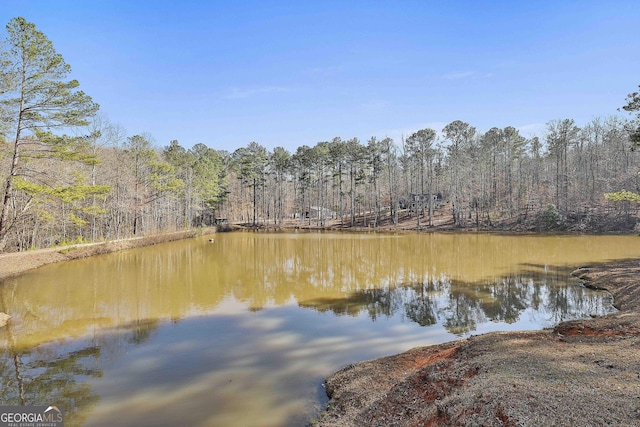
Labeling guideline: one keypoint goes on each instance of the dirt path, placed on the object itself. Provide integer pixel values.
(584, 372)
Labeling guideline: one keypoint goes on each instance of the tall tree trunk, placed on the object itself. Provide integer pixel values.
(254, 202)
(4, 215)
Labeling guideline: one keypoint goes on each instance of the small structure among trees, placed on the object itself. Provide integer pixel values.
(99, 183)
(420, 201)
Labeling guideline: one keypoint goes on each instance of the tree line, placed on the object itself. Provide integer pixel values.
(70, 175)
(480, 178)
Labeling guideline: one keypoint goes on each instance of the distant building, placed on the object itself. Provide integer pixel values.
(317, 212)
(422, 200)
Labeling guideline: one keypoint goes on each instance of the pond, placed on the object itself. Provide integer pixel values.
(243, 330)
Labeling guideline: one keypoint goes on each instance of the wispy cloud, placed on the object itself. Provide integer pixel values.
(467, 75)
(236, 93)
(461, 75)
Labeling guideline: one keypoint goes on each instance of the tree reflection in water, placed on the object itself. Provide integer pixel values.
(60, 374)
(73, 323)
(461, 306)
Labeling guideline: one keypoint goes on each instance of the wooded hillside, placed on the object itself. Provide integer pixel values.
(71, 175)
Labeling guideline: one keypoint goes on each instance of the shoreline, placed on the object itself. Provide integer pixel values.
(15, 263)
(581, 372)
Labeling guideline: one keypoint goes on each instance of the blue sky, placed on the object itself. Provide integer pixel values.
(226, 73)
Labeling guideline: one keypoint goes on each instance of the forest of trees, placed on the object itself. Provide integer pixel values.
(67, 174)
(483, 179)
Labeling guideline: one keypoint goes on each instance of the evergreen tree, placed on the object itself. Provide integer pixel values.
(35, 96)
(633, 105)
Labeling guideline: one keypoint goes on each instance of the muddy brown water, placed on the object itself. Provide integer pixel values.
(242, 330)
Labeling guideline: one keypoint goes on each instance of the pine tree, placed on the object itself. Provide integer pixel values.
(34, 99)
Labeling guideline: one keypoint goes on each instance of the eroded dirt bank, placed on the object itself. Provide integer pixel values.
(584, 372)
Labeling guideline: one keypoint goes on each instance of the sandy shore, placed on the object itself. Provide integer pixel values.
(580, 373)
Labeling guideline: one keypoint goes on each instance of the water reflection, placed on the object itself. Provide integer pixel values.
(460, 306)
(62, 373)
(242, 331)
